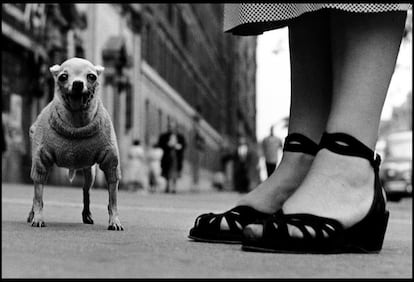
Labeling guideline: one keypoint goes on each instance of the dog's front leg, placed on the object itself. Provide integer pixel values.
(36, 213)
(89, 174)
(114, 223)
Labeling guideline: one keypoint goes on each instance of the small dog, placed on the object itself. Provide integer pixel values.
(75, 131)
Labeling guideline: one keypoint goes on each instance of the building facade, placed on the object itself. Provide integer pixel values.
(163, 63)
(34, 36)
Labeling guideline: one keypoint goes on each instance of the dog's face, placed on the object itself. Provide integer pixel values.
(76, 82)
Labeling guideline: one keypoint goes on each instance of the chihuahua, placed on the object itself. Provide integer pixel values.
(75, 131)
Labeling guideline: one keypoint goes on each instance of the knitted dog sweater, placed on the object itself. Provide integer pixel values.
(55, 141)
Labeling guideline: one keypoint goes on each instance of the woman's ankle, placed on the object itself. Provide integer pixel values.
(337, 186)
(355, 171)
(270, 195)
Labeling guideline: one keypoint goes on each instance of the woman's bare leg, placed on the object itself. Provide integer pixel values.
(310, 101)
(364, 53)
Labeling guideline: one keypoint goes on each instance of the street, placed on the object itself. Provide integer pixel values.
(155, 243)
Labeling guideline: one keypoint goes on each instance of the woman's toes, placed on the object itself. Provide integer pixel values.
(253, 231)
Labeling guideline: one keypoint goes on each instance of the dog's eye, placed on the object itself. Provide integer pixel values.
(91, 77)
(63, 77)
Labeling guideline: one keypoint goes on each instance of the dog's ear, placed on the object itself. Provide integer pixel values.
(54, 70)
(99, 69)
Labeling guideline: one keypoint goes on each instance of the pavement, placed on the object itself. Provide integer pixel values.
(155, 243)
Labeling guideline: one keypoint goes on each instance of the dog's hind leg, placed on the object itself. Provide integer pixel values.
(31, 215)
(114, 222)
(89, 174)
(36, 213)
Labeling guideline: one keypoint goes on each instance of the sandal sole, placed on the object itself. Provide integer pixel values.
(345, 250)
(204, 240)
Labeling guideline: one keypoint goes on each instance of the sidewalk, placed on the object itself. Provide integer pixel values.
(155, 244)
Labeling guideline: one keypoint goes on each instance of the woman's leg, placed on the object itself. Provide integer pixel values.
(310, 101)
(364, 52)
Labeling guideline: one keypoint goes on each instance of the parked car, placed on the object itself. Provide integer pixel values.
(396, 169)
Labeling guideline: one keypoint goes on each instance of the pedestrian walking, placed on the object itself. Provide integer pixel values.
(173, 145)
(245, 166)
(136, 176)
(154, 157)
(241, 163)
(218, 180)
(325, 196)
(271, 145)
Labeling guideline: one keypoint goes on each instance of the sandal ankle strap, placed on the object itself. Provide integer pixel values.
(345, 144)
(296, 142)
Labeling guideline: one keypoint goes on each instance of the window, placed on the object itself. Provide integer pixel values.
(168, 120)
(160, 129)
(168, 69)
(161, 56)
(79, 52)
(147, 121)
(164, 58)
(147, 42)
(183, 30)
(20, 6)
(129, 104)
(170, 13)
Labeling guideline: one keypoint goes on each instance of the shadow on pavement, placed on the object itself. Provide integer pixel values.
(55, 226)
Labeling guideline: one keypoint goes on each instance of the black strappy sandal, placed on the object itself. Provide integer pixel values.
(328, 236)
(207, 227)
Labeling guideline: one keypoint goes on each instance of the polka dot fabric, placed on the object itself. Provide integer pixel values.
(244, 16)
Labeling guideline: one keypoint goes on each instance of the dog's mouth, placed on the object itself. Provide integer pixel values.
(78, 100)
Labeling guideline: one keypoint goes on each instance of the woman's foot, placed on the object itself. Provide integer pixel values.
(336, 186)
(262, 202)
(259, 204)
(269, 196)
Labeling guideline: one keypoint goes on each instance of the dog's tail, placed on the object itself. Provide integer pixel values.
(71, 175)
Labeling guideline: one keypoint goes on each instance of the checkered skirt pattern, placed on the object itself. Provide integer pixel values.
(237, 16)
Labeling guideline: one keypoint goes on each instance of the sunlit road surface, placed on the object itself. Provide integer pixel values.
(155, 243)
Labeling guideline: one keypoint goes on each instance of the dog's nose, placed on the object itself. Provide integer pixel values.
(77, 85)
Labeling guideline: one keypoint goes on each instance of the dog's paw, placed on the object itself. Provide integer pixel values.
(87, 218)
(38, 223)
(116, 227)
(115, 224)
(30, 217)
